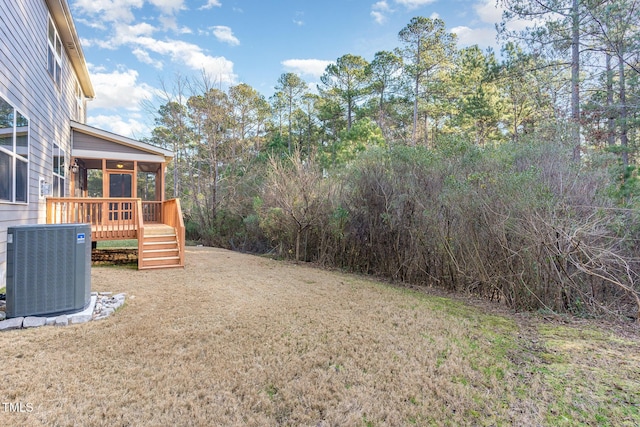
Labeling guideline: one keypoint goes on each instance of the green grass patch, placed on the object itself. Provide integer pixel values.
(574, 375)
(121, 266)
(592, 376)
(117, 244)
(485, 343)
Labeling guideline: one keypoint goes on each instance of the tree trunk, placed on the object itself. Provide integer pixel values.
(515, 120)
(575, 78)
(624, 142)
(289, 136)
(611, 125)
(381, 120)
(415, 99)
(415, 114)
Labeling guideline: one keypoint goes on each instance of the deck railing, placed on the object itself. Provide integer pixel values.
(140, 225)
(110, 218)
(172, 215)
(118, 218)
(152, 212)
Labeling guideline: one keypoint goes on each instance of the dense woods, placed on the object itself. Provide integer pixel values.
(510, 175)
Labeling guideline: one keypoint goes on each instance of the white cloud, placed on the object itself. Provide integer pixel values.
(414, 4)
(483, 33)
(379, 11)
(491, 13)
(488, 14)
(225, 35)
(130, 127)
(298, 19)
(103, 44)
(91, 23)
(96, 68)
(211, 4)
(123, 34)
(379, 17)
(168, 7)
(127, 31)
(312, 67)
(119, 89)
(171, 23)
(138, 38)
(382, 6)
(190, 55)
(110, 10)
(144, 57)
(488, 11)
(483, 37)
(120, 11)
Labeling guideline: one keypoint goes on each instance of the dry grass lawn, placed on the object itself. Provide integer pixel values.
(241, 340)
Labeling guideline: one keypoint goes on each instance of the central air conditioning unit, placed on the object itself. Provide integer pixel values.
(48, 269)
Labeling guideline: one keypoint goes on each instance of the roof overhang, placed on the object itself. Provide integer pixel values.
(144, 151)
(61, 16)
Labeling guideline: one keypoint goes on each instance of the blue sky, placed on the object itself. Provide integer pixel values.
(133, 47)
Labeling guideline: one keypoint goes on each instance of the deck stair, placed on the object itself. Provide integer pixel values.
(160, 247)
(157, 226)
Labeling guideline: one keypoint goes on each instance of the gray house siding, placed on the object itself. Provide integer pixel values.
(26, 84)
(82, 141)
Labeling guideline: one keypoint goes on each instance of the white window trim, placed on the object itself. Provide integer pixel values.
(57, 56)
(15, 157)
(80, 113)
(61, 176)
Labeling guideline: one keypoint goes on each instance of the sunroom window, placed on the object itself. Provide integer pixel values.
(14, 154)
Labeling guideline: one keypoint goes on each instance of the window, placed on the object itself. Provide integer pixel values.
(79, 104)
(54, 53)
(58, 171)
(14, 154)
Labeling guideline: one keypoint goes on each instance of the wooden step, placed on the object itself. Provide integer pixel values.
(165, 261)
(160, 248)
(154, 253)
(156, 229)
(157, 267)
(159, 245)
(160, 238)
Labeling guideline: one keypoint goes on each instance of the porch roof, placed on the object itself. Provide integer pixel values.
(93, 143)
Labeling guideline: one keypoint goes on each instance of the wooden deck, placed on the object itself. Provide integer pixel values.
(157, 229)
(160, 244)
(128, 230)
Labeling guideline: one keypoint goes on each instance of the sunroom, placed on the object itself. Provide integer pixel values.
(116, 184)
